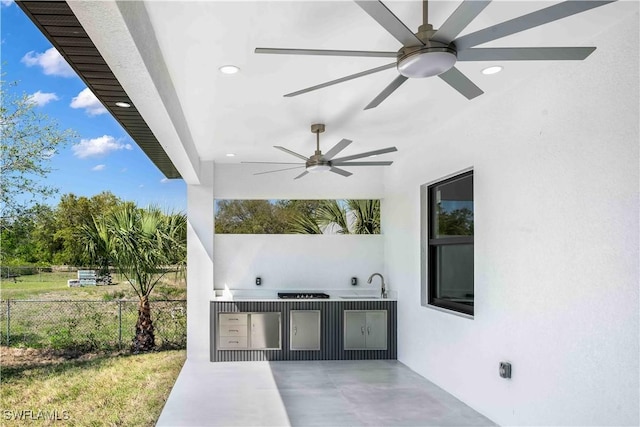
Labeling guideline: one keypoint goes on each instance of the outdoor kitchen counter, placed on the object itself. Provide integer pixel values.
(268, 295)
(256, 325)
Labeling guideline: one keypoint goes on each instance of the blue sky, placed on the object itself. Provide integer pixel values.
(103, 157)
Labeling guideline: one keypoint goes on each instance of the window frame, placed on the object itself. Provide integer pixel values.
(429, 248)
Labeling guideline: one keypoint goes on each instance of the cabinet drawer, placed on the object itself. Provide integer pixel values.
(233, 318)
(232, 342)
(232, 330)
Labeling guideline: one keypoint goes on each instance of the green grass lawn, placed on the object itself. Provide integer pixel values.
(107, 390)
(54, 286)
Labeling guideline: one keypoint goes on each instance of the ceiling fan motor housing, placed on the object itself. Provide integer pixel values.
(429, 60)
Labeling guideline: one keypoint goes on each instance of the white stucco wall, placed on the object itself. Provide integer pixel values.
(199, 262)
(292, 261)
(295, 261)
(556, 177)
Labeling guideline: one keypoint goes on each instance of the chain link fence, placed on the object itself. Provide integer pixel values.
(88, 325)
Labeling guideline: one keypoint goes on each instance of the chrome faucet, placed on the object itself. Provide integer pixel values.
(383, 292)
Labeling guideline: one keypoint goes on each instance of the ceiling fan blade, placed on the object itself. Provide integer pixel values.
(273, 163)
(386, 163)
(340, 80)
(278, 170)
(525, 53)
(337, 148)
(525, 22)
(322, 52)
(461, 83)
(459, 19)
(383, 16)
(367, 154)
(395, 84)
(300, 156)
(340, 171)
(301, 175)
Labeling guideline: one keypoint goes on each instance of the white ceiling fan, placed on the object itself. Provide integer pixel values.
(320, 162)
(430, 52)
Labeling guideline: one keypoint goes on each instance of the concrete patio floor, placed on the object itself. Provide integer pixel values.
(311, 393)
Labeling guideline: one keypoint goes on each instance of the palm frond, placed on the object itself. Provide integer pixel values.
(331, 214)
(304, 224)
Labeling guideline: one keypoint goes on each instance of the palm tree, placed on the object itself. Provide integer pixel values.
(139, 243)
(303, 223)
(366, 214)
(342, 217)
(332, 214)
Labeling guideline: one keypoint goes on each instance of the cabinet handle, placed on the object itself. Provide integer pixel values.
(233, 318)
(234, 342)
(362, 330)
(368, 330)
(233, 330)
(295, 330)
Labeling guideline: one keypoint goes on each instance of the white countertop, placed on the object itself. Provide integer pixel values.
(272, 295)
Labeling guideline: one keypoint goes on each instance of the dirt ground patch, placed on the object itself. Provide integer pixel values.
(11, 357)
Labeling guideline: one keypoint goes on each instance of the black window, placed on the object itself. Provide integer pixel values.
(450, 243)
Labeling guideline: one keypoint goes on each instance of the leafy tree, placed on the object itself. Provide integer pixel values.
(249, 217)
(297, 216)
(139, 243)
(456, 222)
(22, 239)
(73, 213)
(28, 141)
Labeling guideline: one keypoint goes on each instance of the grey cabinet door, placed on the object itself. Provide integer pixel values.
(265, 331)
(376, 330)
(304, 330)
(354, 330)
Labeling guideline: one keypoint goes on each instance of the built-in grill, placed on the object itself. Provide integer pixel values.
(302, 295)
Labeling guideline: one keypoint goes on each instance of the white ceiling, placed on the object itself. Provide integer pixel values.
(246, 113)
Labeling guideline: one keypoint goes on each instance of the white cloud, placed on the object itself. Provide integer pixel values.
(98, 168)
(51, 62)
(47, 154)
(164, 180)
(123, 170)
(100, 146)
(141, 186)
(42, 98)
(87, 100)
(7, 3)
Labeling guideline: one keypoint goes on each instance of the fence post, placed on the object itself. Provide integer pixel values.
(8, 321)
(120, 323)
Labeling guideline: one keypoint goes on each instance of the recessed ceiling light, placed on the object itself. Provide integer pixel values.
(230, 155)
(492, 70)
(123, 104)
(229, 69)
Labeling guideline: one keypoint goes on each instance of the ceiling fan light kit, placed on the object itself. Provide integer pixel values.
(317, 168)
(426, 61)
(429, 52)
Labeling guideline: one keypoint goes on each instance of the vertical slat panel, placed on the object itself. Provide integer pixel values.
(331, 336)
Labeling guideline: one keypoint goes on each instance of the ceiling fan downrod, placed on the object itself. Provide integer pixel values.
(425, 12)
(317, 128)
